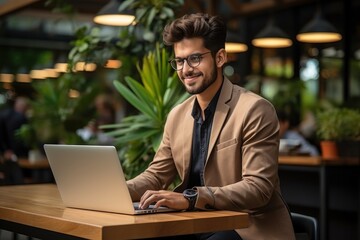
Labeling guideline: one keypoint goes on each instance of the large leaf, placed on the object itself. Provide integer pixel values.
(135, 101)
(135, 136)
(154, 95)
(140, 92)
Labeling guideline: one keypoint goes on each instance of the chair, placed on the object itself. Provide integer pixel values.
(305, 227)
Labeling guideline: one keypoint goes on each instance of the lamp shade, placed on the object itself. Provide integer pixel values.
(271, 37)
(110, 15)
(318, 31)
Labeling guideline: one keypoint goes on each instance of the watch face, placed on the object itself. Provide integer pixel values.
(190, 192)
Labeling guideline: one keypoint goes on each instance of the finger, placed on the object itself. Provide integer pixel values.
(162, 203)
(149, 198)
(145, 196)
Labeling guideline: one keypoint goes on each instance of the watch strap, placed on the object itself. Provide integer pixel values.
(191, 198)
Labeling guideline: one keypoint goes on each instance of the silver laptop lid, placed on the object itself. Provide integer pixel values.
(90, 177)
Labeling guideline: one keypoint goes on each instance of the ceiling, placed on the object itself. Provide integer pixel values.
(232, 7)
(42, 27)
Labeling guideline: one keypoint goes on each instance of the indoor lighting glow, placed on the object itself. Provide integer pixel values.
(318, 31)
(83, 66)
(44, 73)
(234, 47)
(23, 78)
(37, 74)
(110, 15)
(6, 78)
(73, 93)
(271, 37)
(271, 42)
(113, 64)
(51, 73)
(61, 67)
(318, 37)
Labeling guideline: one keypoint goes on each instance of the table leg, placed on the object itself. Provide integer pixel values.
(358, 217)
(323, 203)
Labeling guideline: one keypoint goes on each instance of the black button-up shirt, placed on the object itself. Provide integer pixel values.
(200, 140)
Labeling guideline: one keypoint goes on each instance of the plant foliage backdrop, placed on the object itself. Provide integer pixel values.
(150, 86)
(138, 136)
(133, 41)
(55, 115)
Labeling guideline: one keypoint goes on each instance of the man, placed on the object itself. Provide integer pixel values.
(222, 141)
(11, 147)
(11, 119)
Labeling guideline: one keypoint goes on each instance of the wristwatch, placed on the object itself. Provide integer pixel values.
(191, 196)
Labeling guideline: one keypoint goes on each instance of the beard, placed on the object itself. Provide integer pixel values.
(206, 82)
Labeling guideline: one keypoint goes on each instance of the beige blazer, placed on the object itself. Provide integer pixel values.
(241, 170)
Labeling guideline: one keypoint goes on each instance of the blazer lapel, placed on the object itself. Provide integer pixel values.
(187, 132)
(221, 112)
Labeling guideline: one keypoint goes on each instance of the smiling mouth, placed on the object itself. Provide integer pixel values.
(191, 77)
(190, 80)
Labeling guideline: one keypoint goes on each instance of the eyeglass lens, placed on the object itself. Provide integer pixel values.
(192, 60)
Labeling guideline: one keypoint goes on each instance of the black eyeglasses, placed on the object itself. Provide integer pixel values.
(192, 60)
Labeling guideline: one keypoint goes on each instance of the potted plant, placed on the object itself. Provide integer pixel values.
(338, 127)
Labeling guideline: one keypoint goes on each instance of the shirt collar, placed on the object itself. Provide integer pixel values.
(209, 110)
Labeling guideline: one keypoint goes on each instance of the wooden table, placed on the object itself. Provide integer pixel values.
(317, 161)
(37, 171)
(39, 164)
(37, 210)
(323, 168)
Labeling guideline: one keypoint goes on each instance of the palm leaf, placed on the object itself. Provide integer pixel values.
(140, 92)
(135, 136)
(154, 96)
(136, 102)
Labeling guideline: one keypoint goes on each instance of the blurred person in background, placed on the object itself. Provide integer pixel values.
(11, 119)
(105, 114)
(289, 131)
(11, 146)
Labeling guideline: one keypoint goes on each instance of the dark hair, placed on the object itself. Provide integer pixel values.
(291, 116)
(211, 28)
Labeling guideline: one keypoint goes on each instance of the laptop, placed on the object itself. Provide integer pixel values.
(90, 177)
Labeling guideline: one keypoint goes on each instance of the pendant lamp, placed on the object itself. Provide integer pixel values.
(110, 15)
(318, 31)
(271, 37)
(233, 43)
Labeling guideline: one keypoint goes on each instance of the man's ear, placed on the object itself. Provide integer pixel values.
(221, 57)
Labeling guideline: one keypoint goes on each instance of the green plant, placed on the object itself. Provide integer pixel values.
(133, 41)
(151, 16)
(338, 124)
(139, 136)
(56, 116)
(90, 46)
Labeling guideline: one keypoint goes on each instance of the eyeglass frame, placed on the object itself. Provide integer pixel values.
(173, 62)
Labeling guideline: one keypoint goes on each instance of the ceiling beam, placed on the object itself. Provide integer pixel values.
(213, 7)
(192, 6)
(13, 5)
(247, 9)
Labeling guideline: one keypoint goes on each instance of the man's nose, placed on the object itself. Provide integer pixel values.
(186, 66)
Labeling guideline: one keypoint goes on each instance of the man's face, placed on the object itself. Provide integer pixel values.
(196, 79)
